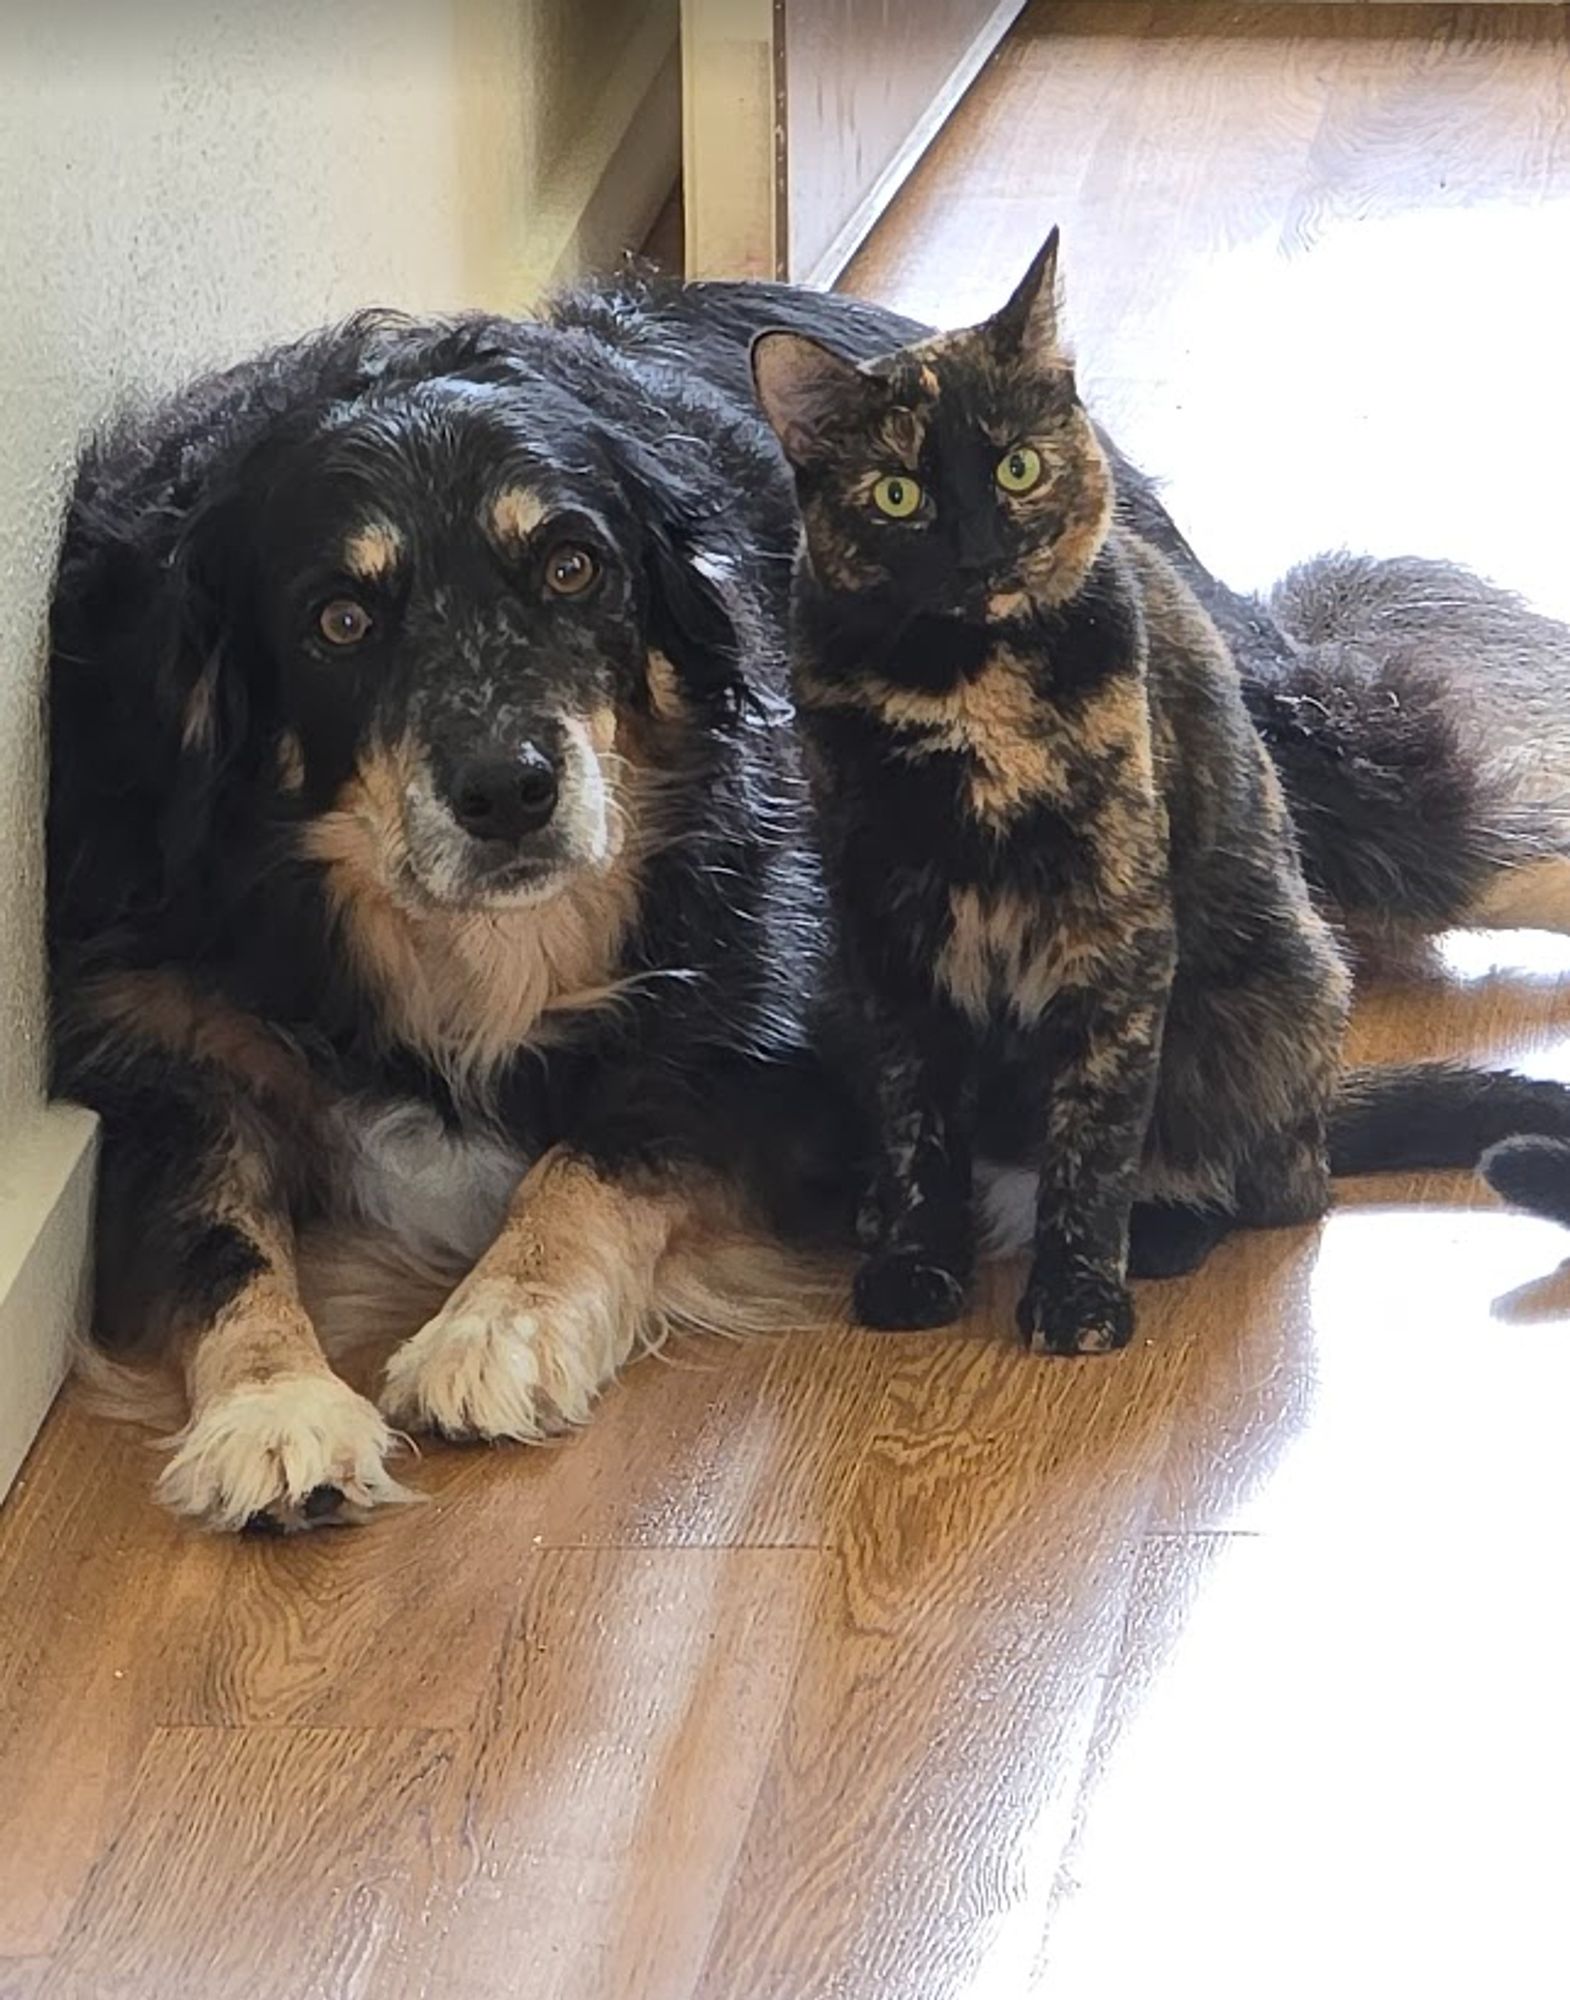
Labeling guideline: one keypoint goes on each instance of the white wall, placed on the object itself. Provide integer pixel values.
(181, 180)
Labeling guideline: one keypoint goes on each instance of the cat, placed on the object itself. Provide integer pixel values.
(1074, 932)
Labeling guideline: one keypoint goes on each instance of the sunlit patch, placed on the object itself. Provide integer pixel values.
(1470, 956)
(373, 552)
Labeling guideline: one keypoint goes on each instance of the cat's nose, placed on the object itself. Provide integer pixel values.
(977, 551)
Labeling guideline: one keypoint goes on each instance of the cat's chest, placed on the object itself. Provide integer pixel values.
(979, 744)
(1002, 955)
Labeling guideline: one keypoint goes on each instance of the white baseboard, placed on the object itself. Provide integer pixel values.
(46, 1220)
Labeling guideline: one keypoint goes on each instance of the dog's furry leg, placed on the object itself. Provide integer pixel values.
(560, 1301)
(205, 1115)
(275, 1439)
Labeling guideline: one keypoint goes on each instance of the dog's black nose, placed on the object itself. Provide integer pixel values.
(503, 798)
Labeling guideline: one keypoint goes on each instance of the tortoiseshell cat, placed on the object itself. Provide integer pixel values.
(1075, 933)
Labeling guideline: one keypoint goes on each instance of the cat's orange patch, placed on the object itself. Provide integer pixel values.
(1004, 949)
(1014, 742)
(901, 433)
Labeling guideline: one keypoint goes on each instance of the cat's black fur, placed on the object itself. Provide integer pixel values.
(1075, 931)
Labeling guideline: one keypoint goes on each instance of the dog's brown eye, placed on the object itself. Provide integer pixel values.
(344, 622)
(570, 570)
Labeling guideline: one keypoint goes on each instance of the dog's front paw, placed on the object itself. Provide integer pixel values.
(499, 1362)
(907, 1290)
(300, 1451)
(1085, 1314)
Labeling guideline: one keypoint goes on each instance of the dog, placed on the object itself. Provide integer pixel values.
(429, 865)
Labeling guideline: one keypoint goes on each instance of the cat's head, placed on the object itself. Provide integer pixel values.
(962, 471)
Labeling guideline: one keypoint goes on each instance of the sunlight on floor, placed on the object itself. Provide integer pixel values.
(1301, 351)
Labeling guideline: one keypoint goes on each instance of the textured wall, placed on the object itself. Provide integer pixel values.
(183, 179)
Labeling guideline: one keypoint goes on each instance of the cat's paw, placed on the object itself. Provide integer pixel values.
(903, 1290)
(1168, 1239)
(1085, 1315)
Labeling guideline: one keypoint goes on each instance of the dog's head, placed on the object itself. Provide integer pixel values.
(432, 617)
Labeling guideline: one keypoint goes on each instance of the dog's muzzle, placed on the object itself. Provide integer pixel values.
(504, 818)
(503, 796)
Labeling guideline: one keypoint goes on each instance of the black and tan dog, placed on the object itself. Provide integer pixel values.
(428, 856)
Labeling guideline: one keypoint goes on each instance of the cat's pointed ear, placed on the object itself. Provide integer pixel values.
(1028, 324)
(808, 393)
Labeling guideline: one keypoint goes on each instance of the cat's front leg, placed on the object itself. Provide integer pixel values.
(917, 1225)
(1101, 1055)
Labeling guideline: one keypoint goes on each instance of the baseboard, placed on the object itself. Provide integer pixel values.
(46, 1219)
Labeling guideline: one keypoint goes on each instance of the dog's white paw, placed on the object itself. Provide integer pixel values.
(499, 1362)
(302, 1451)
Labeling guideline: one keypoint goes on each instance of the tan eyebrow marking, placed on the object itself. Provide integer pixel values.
(516, 513)
(373, 552)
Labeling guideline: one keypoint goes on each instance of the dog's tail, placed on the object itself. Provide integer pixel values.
(1420, 720)
(150, 1394)
(1515, 1129)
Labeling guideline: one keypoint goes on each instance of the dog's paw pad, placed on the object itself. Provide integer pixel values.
(498, 1363)
(273, 1458)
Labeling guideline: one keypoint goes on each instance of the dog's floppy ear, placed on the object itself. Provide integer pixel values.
(696, 606)
(201, 686)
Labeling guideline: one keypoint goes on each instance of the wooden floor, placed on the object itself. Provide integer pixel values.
(873, 1668)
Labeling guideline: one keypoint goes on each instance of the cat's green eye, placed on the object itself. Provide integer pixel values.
(896, 496)
(1020, 469)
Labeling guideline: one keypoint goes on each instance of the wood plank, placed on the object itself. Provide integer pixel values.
(1282, 226)
(135, 1624)
(951, 1669)
(107, 1595)
(711, 1442)
(612, 1772)
(280, 1861)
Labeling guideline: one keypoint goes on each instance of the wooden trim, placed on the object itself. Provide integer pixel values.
(732, 139)
(850, 237)
(740, 61)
